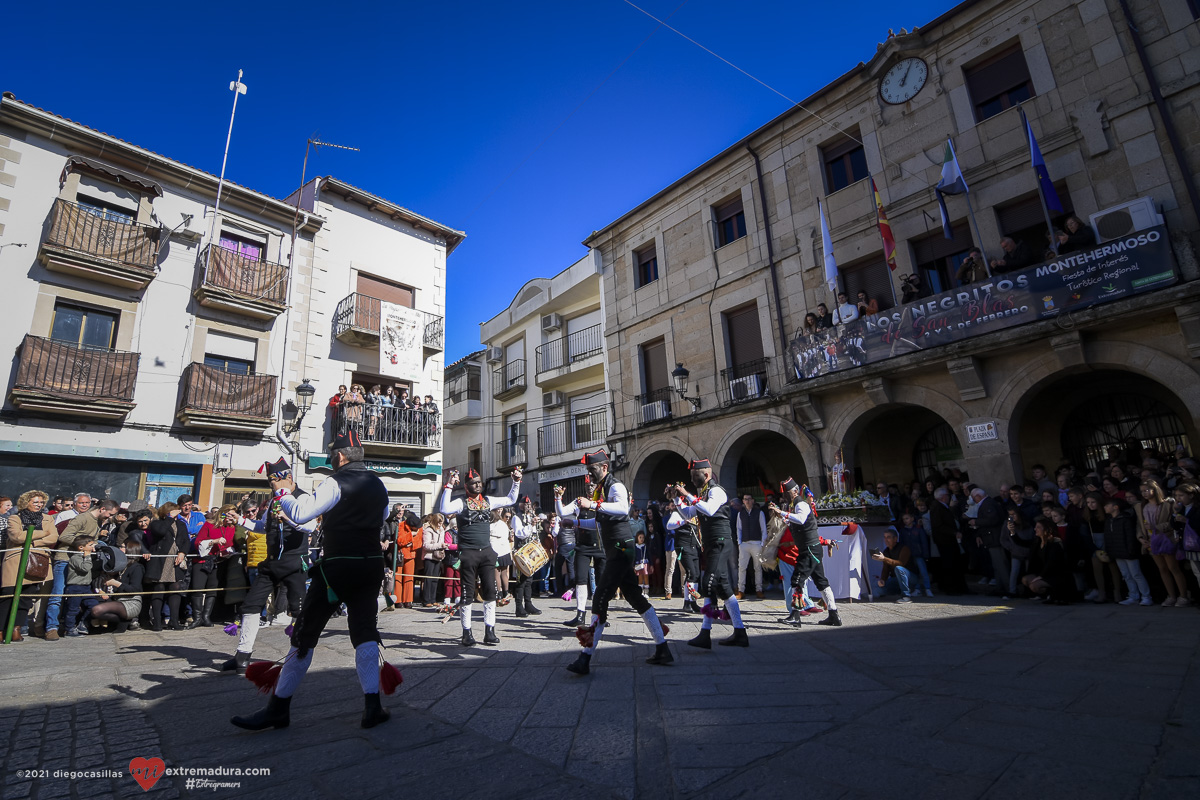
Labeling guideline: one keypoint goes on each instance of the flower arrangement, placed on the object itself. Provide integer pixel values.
(852, 507)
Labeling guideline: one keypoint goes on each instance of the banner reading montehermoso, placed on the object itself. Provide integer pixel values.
(1138, 263)
(401, 337)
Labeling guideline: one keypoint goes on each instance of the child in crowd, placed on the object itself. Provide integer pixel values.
(641, 564)
(80, 575)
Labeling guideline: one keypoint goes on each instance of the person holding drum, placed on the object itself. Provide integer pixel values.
(525, 533)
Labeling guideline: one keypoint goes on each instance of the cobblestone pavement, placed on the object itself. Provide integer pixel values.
(932, 699)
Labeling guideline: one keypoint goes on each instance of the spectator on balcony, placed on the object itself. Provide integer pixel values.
(374, 408)
(389, 397)
(353, 403)
(846, 311)
(1075, 236)
(404, 401)
(810, 324)
(1016, 256)
(824, 318)
(867, 307)
(973, 269)
(338, 398)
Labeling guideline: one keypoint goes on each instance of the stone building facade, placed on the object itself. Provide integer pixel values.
(718, 271)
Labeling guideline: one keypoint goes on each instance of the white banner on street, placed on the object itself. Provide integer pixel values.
(401, 338)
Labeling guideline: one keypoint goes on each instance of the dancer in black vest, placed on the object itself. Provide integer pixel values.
(687, 545)
(711, 508)
(588, 553)
(354, 503)
(610, 501)
(282, 569)
(802, 519)
(474, 514)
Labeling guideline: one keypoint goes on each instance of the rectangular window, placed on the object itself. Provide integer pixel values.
(385, 290)
(871, 276)
(731, 221)
(647, 265)
(1025, 221)
(745, 337)
(999, 82)
(243, 246)
(938, 259)
(654, 366)
(237, 366)
(845, 162)
(98, 208)
(475, 459)
(83, 326)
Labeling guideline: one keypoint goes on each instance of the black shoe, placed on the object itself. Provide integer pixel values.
(794, 619)
(738, 639)
(694, 607)
(275, 715)
(531, 611)
(703, 640)
(662, 656)
(468, 640)
(575, 621)
(373, 711)
(238, 663)
(489, 636)
(580, 665)
(521, 612)
(206, 612)
(832, 619)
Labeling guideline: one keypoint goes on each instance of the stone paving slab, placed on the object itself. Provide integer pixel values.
(974, 699)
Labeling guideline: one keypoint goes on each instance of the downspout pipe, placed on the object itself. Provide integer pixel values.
(762, 200)
(1189, 179)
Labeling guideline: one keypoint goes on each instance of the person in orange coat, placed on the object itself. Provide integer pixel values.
(405, 522)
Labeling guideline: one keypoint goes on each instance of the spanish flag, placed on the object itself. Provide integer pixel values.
(885, 229)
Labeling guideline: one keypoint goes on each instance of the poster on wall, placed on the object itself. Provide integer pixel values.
(401, 338)
(1141, 262)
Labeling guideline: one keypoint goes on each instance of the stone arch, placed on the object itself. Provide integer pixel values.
(742, 434)
(646, 455)
(856, 415)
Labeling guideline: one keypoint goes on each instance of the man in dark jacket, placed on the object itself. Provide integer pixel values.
(895, 577)
(1122, 545)
(991, 516)
(944, 530)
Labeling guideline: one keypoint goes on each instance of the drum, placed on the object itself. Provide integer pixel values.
(530, 558)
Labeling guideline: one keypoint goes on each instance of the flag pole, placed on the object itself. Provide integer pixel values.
(1038, 181)
(891, 278)
(971, 215)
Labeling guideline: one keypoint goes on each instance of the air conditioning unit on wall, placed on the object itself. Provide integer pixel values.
(653, 412)
(747, 388)
(1118, 221)
(495, 355)
(554, 399)
(552, 322)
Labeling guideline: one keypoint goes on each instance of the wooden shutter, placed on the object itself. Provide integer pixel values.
(745, 337)
(654, 366)
(383, 290)
(871, 277)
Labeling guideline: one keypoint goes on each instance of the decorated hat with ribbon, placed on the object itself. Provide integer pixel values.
(598, 457)
(788, 485)
(700, 463)
(277, 469)
(347, 438)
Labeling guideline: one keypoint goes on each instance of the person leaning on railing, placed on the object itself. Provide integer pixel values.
(30, 506)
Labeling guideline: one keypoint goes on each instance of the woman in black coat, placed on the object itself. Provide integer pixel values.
(121, 612)
(167, 570)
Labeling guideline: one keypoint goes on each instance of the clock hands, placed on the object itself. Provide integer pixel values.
(905, 78)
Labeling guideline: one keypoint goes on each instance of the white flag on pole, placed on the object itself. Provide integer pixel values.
(831, 269)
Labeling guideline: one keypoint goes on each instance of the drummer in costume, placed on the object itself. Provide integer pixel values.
(525, 530)
(687, 545)
(610, 502)
(354, 503)
(283, 569)
(474, 514)
(711, 507)
(802, 518)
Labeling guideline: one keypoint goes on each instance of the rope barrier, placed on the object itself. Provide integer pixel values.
(123, 594)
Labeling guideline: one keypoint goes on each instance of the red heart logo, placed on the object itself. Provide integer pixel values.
(147, 771)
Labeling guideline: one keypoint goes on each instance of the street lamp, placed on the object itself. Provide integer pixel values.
(679, 376)
(294, 411)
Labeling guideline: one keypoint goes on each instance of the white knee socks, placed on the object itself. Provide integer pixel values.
(706, 624)
(735, 612)
(595, 636)
(248, 633)
(651, 620)
(466, 616)
(294, 669)
(366, 663)
(489, 613)
(581, 598)
(830, 603)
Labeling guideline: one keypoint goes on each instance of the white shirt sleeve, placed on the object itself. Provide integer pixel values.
(513, 494)
(716, 499)
(253, 525)
(674, 522)
(569, 510)
(448, 507)
(738, 526)
(801, 515)
(310, 506)
(617, 504)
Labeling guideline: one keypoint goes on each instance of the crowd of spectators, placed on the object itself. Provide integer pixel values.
(384, 415)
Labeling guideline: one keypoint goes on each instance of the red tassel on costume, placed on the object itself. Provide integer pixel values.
(666, 629)
(586, 636)
(264, 675)
(389, 678)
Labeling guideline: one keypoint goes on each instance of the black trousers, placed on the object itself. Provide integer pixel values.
(355, 582)
(26, 603)
(478, 569)
(275, 576)
(433, 569)
(585, 559)
(809, 565)
(717, 583)
(618, 574)
(689, 557)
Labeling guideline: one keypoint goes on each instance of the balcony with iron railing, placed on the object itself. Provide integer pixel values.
(66, 379)
(357, 321)
(586, 429)
(745, 382)
(570, 357)
(509, 380)
(235, 282)
(512, 453)
(462, 405)
(390, 430)
(99, 246)
(653, 407)
(215, 399)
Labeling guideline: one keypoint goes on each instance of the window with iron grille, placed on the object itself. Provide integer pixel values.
(999, 82)
(731, 221)
(936, 445)
(647, 265)
(1096, 428)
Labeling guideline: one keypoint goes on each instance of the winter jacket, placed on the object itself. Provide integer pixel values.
(1121, 536)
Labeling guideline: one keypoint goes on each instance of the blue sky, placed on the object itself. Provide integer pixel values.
(446, 100)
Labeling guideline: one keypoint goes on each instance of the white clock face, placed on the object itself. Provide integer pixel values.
(903, 81)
